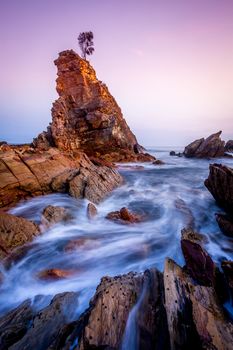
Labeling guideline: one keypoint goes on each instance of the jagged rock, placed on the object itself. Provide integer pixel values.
(186, 212)
(110, 308)
(44, 140)
(195, 318)
(124, 216)
(91, 211)
(210, 147)
(14, 325)
(35, 173)
(158, 162)
(220, 185)
(225, 223)
(86, 117)
(52, 215)
(198, 262)
(14, 232)
(229, 146)
(227, 267)
(55, 274)
(46, 325)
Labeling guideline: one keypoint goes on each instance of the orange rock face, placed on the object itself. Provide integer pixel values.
(86, 116)
(124, 216)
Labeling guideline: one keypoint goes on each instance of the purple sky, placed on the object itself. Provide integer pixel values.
(168, 63)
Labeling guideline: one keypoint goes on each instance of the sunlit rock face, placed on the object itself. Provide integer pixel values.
(86, 116)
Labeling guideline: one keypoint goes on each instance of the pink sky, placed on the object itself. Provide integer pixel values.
(168, 63)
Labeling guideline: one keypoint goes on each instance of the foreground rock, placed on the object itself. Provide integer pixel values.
(109, 324)
(220, 185)
(86, 117)
(14, 232)
(45, 326)
(196, 320)
(124, 216)
(210, 147)
(29, 173)
(52, 215)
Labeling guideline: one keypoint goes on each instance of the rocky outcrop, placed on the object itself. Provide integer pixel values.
(229, 146)
(225, 223)
(210, 147)
(220, 185)
(14, 232)
(124, 216)
(29, 173)
(86, 117)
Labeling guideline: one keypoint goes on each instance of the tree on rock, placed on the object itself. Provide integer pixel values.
(85, 40)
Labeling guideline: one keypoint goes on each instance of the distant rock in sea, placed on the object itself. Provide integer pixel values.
(229, 146)
(210, 147)
(86, 117)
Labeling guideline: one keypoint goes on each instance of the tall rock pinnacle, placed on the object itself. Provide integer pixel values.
(86, 116)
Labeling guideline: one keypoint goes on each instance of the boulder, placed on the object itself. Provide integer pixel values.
(220, 185)
(158, 162)
(124, 216)
(52, 215)
(55, 274)
(91, 211)
(229, 146)
(225, 223)
(210, 147)
(86, 117)
(174, 154)
(14, 232)
(199, 264)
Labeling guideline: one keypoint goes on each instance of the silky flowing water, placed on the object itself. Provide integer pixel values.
(109, 248)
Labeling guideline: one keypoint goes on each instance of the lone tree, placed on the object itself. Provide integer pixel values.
(85, 40)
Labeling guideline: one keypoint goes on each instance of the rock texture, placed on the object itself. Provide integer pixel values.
(210, 147)
(28, 173)
(91, 211)
(220, 185)
(124, 216)
(52, 215)
(229, 146)
(86, 117)
(225, 223)
(14, 232)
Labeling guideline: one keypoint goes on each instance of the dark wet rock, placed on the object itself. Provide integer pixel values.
(52, 215)
(225, 223)
(227, 267)
(91, 211)
(195, 318)
(14, 325)
(220, 185)
(46, 325)
(14, 232)
(210, 147)
(55, 274)
(186, 212)
(124, 216)
(86, 117)
(229, 146)
(198, 262)
(174, 154)
(158, 162)
(110, 308)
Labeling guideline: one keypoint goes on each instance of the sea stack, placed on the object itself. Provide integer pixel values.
(86, 117)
